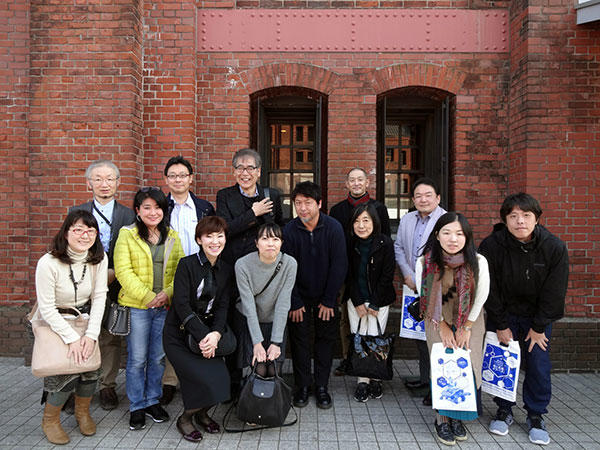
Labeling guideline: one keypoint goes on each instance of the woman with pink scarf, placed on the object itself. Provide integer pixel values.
(454, 283)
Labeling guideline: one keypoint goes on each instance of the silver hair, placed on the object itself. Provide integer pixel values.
(101, 163)
(247, 152)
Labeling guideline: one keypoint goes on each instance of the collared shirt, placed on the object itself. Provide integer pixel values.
(184, 221)
(246, 195)
(418, 237)
(107, 211)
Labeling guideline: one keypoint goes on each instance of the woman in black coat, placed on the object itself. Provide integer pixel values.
(369, 284)
(202, 292)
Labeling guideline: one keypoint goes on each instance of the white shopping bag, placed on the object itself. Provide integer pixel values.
(452, 380)
(500, 371)
(409, 327)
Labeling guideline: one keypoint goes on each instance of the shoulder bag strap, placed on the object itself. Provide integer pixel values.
(272, 276)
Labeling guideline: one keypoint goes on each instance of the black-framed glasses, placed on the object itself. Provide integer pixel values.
(177, 176)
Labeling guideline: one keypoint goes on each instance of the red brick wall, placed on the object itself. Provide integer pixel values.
(554, 133)
(85, 98)
(14, 188)
(123, 79)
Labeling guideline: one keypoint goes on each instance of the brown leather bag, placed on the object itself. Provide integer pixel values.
(49, 355)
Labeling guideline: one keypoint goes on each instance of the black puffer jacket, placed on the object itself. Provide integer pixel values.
(526, 279)
(380, 267)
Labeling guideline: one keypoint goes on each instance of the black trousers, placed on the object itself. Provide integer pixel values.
(325, 335)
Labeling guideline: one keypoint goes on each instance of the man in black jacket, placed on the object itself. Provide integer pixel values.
(529, 269)
(318, 244)
(357, 183)
(246, 205)
(103, 179)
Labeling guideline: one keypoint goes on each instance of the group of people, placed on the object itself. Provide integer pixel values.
(212, 292)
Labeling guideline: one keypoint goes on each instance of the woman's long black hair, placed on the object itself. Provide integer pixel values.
(161, 200)
(59, 245)
(437, 254)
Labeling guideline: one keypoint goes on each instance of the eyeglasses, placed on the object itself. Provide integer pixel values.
(91, 232)
(246, 169)
(177, 176)
(100, 181)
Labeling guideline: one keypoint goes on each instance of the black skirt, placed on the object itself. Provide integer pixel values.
(204, 382)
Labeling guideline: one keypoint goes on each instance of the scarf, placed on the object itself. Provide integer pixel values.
(354, 202)
(431, 288)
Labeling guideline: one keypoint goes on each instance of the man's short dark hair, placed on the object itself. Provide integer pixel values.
(427, 182)
(178, 160)
(524, 201)
(308, 189)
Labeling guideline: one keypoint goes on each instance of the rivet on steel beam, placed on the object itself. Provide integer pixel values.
(270, 15)
(204, 30)
(427, 39)
(261, 15)
(486, 47)
(221, 15)
(252, 15)
(279, 30)
(487, 14)
(204, 38)
(278, 38)
(212, 15)
(427, 23)
(203, 24)
(495, 14)
(229, 42)
(352, 39)
(353, 23)
(503, 39)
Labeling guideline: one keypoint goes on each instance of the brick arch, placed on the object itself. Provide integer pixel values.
(288, 74)
(418, 74)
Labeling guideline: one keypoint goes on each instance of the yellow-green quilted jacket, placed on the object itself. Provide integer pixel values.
(133, 266)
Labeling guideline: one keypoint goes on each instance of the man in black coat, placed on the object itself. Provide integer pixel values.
(529, 268)
(246, 205)
(103, 180)
(357, 182)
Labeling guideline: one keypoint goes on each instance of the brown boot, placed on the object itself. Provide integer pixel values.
(51, 425)
(82, 414)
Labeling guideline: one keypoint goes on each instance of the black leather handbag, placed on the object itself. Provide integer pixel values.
(118, 320)
(265, 401)
(226, 346)
(371, 356)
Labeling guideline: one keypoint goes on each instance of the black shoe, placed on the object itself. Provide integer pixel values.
(168, 392)
(427, 399)
(341, 370)
(69, 406)
(361, 394)
(458, 430)
(301, 397)
(157, 413)
(323, 398)
(375, 389)
(416, 384)
(137, 420)
(444, 433)
(108, 399)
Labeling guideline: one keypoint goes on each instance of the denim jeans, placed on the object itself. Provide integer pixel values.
(145, 357)
(537, 385)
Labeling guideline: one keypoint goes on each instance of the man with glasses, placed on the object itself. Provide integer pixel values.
(185, 211)
(103, 180)
(246, 205)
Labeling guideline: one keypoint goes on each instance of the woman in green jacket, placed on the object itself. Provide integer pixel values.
(146, 256)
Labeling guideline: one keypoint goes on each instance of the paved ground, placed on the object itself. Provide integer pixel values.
(395, 421)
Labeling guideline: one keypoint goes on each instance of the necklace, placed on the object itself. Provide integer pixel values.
(76, 283)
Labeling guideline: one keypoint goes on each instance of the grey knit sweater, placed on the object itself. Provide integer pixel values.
(273, 304)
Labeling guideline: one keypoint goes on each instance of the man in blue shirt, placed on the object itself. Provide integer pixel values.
(103, 180)
(318, 244)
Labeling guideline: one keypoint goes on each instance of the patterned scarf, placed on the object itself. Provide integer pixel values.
(431, 288)
(354, 202)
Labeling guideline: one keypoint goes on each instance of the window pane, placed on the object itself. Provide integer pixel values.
(392, 206)
(392, 156)
(286, 207)
(405, 204)
(391, 184)
(299, 177)
(280, 158)
(404, 184)
(281, 182)
(280, 134)
(303, 158)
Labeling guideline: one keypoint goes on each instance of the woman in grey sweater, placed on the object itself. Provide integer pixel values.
(265, 279)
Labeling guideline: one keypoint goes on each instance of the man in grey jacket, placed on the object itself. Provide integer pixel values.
(413, 231)
(103, 180)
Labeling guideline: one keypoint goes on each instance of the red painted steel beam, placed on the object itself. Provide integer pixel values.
(337, 30)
